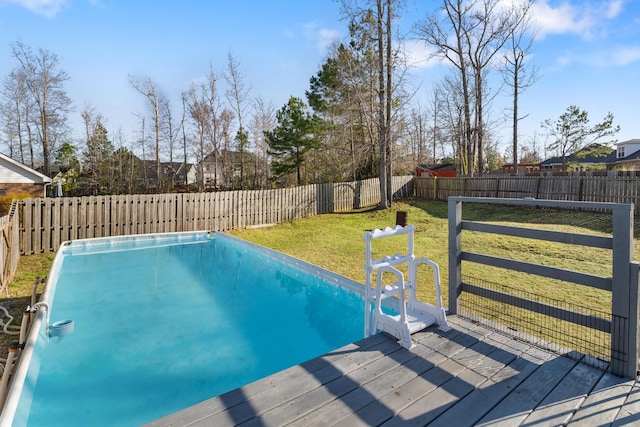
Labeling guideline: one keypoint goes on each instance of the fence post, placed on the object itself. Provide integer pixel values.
(435, 188)
(634, 319)
(624, 304)
(455, 250)
(581, 188)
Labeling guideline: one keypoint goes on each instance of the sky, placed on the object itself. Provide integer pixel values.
(587, 53)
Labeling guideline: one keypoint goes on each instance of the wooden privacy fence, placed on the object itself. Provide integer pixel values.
(9, 247)
(622, 189)
(46, 223)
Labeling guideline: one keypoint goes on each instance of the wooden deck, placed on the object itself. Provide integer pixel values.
(467, 376)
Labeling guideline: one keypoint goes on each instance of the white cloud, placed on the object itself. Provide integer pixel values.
(563, 61)
(601, 58)
(322, 38)
(625, 55)
(326, 37)
(418, 54)
(48, 8)
(614, 8)
(586, 19)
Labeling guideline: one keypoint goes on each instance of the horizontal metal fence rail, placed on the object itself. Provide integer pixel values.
(623, 284)
(46, 223)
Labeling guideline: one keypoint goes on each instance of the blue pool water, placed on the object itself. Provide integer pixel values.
(163, 324)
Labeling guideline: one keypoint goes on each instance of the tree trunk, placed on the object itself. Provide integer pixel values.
(389, 102)
(515, 123)
(385, 203)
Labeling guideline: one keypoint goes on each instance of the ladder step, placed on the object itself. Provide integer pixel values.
(416, 321)
(419, 321)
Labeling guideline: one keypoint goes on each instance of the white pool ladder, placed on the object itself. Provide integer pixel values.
(413, 315)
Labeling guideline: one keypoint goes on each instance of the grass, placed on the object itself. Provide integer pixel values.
(20, 290)
(335, 242)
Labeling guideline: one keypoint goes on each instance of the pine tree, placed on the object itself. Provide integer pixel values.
(291, 139)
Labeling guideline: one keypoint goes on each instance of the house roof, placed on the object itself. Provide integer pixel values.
(629, 141)
(574, 157)
(630, 158)
(20, 172)
(444, 166)
(633, 156)
(169, 170)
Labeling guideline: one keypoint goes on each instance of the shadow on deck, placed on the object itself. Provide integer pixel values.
(467, 376)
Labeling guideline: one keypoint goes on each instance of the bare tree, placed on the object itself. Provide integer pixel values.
(385, 94)
(452, 119)
(417, 130)
(91, 121)
(183, 128)
(446, 35)
(16, 113)
(125, 168)
(168, 127)
(518, 74)
(198, 110)
(437, 110)
(263, 120)
(382, 14)
(45, 84)
(237, 94)
(154, 97)
(202, 103)
(143, 143)
(225, 119)
(469, 34)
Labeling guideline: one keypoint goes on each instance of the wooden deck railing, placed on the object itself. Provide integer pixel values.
(623, 285)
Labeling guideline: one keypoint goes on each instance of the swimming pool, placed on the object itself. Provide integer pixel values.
(165, 321)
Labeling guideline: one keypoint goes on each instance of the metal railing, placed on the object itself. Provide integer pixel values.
(623, 283)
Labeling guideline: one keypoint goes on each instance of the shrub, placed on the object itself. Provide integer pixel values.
(6, 199)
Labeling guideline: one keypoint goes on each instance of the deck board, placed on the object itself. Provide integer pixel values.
(469, 375)
(561, 403)
(630, 412)
(604, 402)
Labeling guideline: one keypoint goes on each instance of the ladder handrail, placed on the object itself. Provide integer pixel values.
(400, 283)
(412, 313)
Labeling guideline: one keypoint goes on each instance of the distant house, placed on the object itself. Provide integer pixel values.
(186, 174)
(523, 168)
(213, 172)
(626, 156)
(577, 161)
(436, 170)
(222, 170)
(173, 174)
(17, 178)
